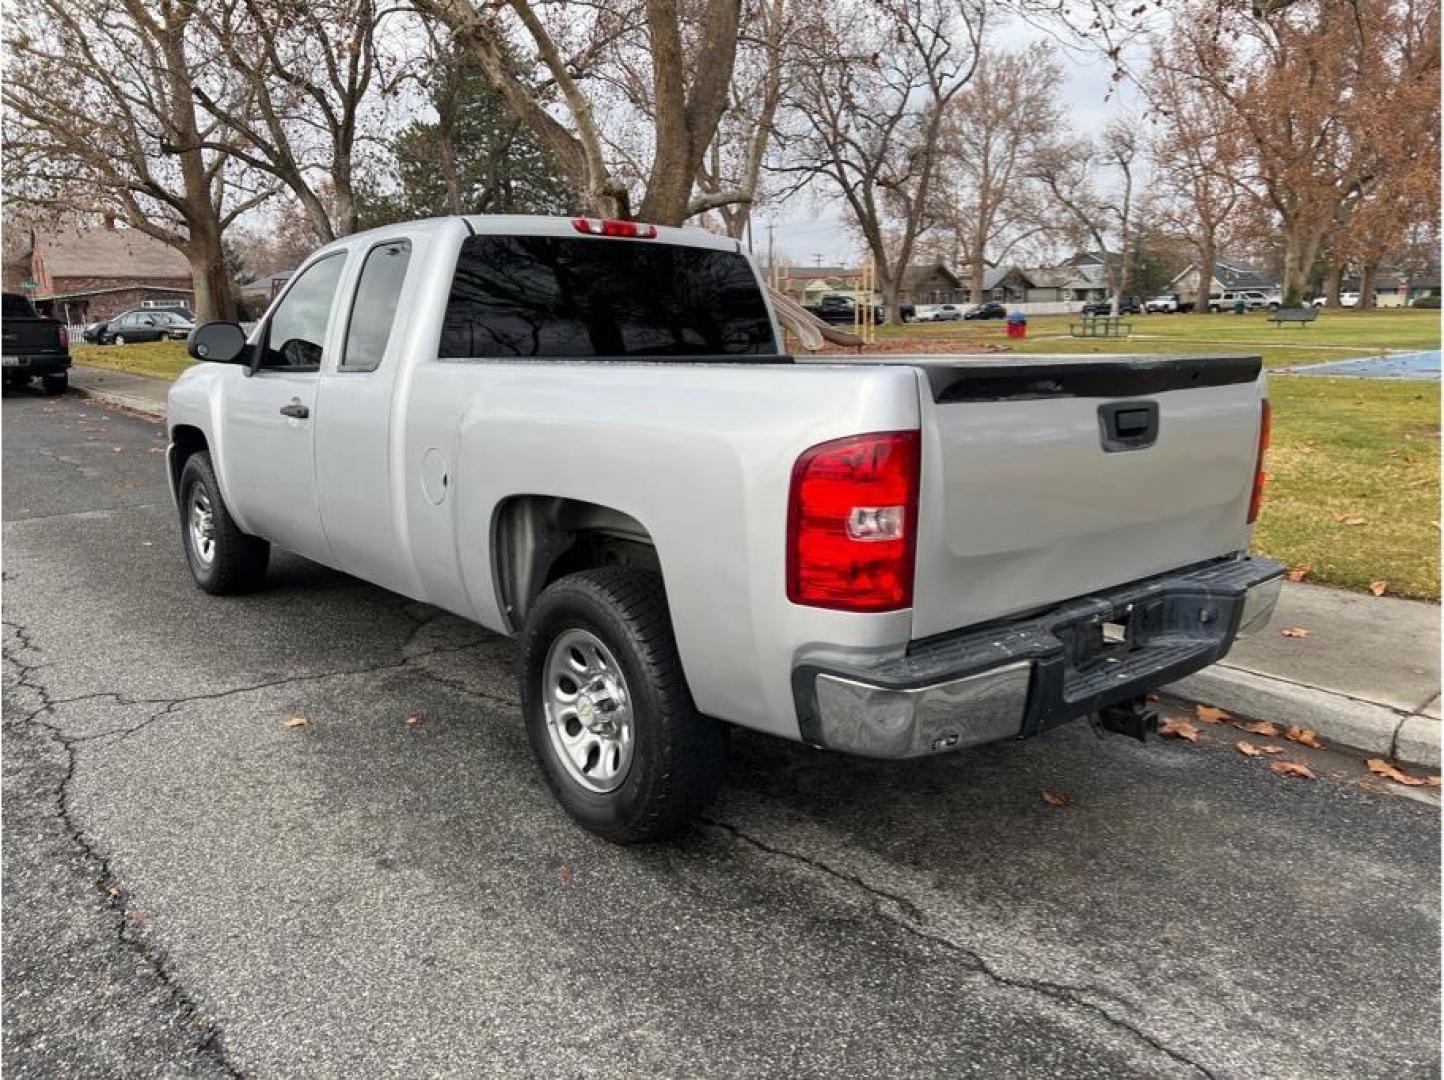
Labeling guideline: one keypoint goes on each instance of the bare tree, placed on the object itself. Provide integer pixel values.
(869, 103)
(303, 73)
(1102, 187)
(1302, 82)
(103, 122)
(687, 52)
(991, 132)
(1200, 154)
(733, 164)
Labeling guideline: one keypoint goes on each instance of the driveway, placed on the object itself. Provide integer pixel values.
(194, 887)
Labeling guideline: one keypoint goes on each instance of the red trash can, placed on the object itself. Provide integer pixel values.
(1017, 325)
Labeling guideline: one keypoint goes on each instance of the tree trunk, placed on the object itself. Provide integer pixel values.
(978, 258)
(1368, 274)
(1333, 282)
(890, 302)
(1301, 248)
(1207, 260)
(209, 278)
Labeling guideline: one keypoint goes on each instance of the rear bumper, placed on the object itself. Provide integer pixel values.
(1018, 678)
(25, 366)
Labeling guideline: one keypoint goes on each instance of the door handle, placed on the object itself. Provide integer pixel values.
(295, 409)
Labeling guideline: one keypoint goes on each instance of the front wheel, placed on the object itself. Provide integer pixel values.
(607, 708)
(223, 560)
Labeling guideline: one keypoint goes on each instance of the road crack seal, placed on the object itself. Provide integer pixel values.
(205, 1034)
(908, 917)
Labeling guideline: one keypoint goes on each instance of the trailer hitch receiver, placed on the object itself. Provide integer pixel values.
(1133, 718)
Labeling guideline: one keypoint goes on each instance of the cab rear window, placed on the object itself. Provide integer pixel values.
(560, 297)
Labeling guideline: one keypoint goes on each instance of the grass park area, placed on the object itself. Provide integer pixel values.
(1354, 470)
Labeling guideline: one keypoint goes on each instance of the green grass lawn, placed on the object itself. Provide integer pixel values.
(1334, 336)
(1355, 448)
(158, 359)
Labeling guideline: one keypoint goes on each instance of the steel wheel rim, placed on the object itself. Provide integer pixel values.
(202, 523)
(588, 710)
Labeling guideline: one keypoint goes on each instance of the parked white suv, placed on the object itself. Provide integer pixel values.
(1253, 300)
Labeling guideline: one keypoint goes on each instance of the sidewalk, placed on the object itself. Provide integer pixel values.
(1366, 675)
(138, 392)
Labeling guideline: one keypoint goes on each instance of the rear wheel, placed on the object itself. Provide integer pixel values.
(608, 711)
(55, 384)
(222, 559)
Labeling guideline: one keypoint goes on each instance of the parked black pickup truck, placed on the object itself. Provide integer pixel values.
(33, 346)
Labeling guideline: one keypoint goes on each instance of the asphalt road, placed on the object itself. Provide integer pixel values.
(192, 887)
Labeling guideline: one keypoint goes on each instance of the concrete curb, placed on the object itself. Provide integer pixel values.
(1338, 718)
(129, 402)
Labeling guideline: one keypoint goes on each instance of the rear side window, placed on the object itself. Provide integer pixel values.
(550, 296)
(374, 308)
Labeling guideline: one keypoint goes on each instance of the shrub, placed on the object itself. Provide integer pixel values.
(1426, 302)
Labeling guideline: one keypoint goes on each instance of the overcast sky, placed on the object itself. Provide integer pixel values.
(806, 231)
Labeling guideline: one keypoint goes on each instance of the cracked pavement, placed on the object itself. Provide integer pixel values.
(191, 888)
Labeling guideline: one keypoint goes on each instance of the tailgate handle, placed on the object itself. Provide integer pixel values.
(1128, 425)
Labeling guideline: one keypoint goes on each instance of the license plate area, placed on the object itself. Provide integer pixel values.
(1099, 640)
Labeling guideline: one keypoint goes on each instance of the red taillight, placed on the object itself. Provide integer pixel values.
(64, 338)
(1260, 477)
(852, 523)
(612, 227)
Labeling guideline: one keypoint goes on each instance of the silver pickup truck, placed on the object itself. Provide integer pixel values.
(585, 433)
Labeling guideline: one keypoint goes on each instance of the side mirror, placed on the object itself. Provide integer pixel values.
(218, 342)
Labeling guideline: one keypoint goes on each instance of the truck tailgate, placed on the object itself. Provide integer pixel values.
(1045, 478)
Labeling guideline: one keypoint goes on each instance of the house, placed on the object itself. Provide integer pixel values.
(1002, 284)
(84, 274)
(1073, 282)
(254, 297)
(931, 284)
(1229, 275)
(1396, 288)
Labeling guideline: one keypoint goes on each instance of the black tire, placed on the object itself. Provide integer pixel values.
(237, 562)
(678, 755)
(55, 384)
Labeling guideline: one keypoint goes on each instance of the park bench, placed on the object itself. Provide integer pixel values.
(1100, 326)
(1301, 315)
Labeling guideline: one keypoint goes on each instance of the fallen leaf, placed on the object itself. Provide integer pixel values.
(1435, 524)
(1433, 781)
(1179, 728)
(1258, 727)
(157, 449)
(1304, 737)
(1270, 749)
(294, 722)
(1292, 768)
(1378, 588)
(415, 718)
(1350, 519)
(1055, 798)
(147, 543)
(566, 875)
(1296, 631)
(1210, 715)
(1298, 573)
(113, 891)
(140, 916)
(1246, 748)
(1380, 767)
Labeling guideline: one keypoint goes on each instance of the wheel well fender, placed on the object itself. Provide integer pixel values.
(185, 439)
(539, 538)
